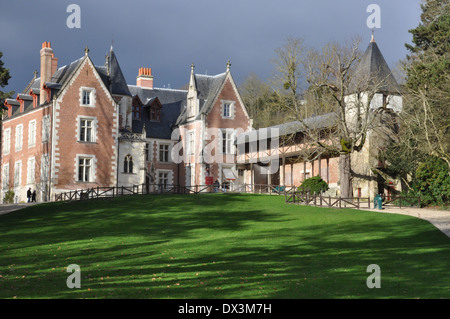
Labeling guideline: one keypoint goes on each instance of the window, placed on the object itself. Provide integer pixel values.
(128, 164)
(155, 114)
(226, 110)
(86, 95)
(17, 173)
(86, 130)
(19, 137)
(7, 141)
(84, 169)
(163, 179)
(191, 143)
(136, 112)
(5, 177)
(31, 164)
(32, 133)
(385, 100)
(45, 128)
(164, 152)
(227, 142)
(147, 150)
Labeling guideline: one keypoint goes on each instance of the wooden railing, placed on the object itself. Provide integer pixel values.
(318, 200)
(115, 191)
(402, 201)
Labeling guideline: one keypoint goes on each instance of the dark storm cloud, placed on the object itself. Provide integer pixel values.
(169, 35)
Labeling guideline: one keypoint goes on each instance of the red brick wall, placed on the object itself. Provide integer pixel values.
(27, 151)
(68, 145)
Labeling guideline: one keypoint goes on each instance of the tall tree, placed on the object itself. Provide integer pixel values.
(427, 113)
(4, 78)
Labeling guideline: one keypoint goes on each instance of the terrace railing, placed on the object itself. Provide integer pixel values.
(319, 200)
(114, 191)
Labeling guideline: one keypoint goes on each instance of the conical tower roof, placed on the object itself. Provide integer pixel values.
(117, 83)
(373, 70)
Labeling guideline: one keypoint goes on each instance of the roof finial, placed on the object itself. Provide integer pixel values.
(373, 39)
(86, 50)
(35, 73)
(228, 66)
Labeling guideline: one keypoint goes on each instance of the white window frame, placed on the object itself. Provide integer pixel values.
(190, 143)
(227, 142)
(92, 119)
(231, 109)
(167, 151)
(92, 169)
(17, 173)
(31, 170)
(19, 137)
(7, 141)
(5, 176)
(32, 133)
(92, 96)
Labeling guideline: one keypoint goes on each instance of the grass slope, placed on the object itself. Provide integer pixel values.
(218, 246)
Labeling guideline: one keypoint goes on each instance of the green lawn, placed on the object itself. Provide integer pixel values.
(218, 246)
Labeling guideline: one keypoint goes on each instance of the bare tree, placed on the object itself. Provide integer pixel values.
(340, 94)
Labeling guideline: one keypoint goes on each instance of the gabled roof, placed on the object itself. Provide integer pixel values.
(373, 68)
(208, 87)
(172, 102)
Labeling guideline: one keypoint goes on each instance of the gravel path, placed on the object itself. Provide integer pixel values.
(439, 218)
(7, 208)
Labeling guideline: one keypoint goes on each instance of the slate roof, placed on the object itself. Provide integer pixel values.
(315, 122)
(173, 101)
(110, 74)
(117, 83)
(208, 87)
(373, 68)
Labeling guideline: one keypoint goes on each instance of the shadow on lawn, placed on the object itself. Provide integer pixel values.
(154, 251)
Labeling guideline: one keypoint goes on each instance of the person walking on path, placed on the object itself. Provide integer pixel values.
(33, 196)
(29, 194)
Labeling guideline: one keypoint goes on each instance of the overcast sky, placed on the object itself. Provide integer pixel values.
(169, 35)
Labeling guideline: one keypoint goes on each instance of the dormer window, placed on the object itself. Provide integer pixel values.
(155, 114)
(136, 112)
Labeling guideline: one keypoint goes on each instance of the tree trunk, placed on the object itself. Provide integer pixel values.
(345, 175)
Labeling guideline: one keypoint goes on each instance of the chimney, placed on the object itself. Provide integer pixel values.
(47, 62)
(145, 78)
(54, 64)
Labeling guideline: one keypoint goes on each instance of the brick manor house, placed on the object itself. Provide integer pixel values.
(81, 126)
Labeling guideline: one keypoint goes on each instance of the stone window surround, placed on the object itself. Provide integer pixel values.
(232, 109)
(92, 96)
